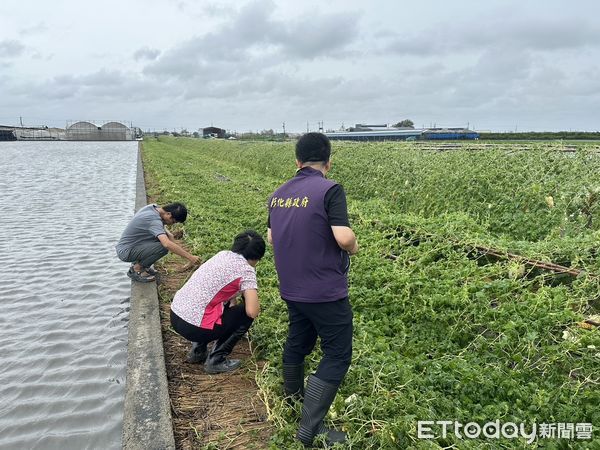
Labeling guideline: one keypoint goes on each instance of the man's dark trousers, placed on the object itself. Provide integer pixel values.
(146, 253)
(332, 322)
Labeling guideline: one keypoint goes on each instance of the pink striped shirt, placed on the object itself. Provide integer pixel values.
(200, 300)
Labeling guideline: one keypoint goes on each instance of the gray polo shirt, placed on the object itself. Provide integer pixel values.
(145, 226)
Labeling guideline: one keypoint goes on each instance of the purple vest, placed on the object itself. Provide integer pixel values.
(309, 262)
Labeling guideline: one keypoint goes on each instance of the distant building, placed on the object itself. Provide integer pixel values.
(367, 127)
(386, 134)
(82, 131)
(78, 131)
(115, 131)
(449, 134)
(213, 132)
(110, 131)
(42, 133)
(362, 132)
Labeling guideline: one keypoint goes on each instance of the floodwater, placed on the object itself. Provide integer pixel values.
(64, 294)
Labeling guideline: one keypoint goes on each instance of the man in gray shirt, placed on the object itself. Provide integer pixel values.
(145, 240)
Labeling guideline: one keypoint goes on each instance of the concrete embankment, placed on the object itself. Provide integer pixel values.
(147, 412)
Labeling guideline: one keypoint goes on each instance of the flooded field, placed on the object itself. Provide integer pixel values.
(64, 294)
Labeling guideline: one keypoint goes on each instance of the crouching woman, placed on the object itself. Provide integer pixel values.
(204, 309)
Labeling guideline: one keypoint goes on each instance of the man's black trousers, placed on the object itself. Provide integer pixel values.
(332, 322)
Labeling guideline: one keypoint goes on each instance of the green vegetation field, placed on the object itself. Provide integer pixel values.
(442, 332)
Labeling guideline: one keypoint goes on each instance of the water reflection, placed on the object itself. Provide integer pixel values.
(65, 296)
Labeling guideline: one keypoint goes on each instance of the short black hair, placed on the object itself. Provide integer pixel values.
(313, 147)
(249, 244)
(177, 210)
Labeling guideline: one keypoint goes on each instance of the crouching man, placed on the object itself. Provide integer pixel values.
(145, 240)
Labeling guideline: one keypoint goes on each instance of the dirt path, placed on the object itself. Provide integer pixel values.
(222, 411)
(219, 411)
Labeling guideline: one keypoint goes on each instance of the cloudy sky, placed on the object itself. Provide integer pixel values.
(252, 65)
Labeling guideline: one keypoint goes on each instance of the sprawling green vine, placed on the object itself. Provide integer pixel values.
(441, 332)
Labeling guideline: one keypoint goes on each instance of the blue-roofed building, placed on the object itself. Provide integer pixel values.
(449, 134)
(363, 132)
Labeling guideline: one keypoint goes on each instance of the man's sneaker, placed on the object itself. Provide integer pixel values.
(137, 276)
(151, 270)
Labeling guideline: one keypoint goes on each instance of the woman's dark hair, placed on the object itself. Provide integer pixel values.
(177, 210)
(249, 244)
(313, 147)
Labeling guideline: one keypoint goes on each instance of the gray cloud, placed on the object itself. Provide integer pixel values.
(42, 56)
(254, 40)
(38, 28)
(217, 10)
(542, 34)
(311, 37)
(110, 85)
(271, 84)
(146, 53)
(11, 48)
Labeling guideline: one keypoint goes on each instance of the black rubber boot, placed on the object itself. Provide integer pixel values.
(293, 382)
(217, 361)
(197, 354)
(318, 397)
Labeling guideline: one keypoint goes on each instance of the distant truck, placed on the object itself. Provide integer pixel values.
(7, 135)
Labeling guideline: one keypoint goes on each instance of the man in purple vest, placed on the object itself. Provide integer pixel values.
(312, 239)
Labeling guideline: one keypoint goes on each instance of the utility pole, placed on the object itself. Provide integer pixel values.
(21, 120)
(284, 130)
(307, 127)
